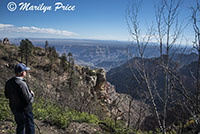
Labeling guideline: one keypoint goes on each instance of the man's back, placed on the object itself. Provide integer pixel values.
(20, 99)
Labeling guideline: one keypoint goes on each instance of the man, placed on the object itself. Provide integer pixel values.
(20, 100)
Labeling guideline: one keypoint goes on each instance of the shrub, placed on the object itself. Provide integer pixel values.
(5, 112)
(59, 116)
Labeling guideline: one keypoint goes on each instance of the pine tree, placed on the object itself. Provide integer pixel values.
(70, 60)
(63, 62)
(46, 46)
(53, 56)
(25, 50)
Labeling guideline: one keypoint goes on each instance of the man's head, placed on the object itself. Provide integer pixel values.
(20, 69)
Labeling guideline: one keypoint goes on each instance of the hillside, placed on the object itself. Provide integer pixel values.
(79, 90)
(184, 64)
(182, 93)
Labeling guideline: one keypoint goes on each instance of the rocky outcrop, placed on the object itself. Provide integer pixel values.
(6, 41)
(114, 105)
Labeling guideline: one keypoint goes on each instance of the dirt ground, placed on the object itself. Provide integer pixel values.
(8, 127)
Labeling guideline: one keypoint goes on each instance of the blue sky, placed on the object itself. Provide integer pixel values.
(91, 19)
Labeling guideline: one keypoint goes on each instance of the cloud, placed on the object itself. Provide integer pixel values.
(9, 28)
(5, 25)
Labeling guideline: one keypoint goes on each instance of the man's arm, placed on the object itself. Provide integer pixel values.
(28, 96)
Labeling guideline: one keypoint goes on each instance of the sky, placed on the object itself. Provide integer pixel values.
(81, 19)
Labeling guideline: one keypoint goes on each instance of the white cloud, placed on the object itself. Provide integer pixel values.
(5, 25)
(9, 28)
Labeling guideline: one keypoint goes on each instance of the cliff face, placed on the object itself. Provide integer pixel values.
(79, 88)
(88, 90)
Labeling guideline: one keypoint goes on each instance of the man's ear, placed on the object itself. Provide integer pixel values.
(23, 73)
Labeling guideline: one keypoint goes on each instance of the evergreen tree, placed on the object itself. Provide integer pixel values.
(63, 62)
(70, 60)
(53, 56)
(46, 46)
(73, 78)
(25, 50)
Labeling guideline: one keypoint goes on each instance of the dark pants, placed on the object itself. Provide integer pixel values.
(24, 120)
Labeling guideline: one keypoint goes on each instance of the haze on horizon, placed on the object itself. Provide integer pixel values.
(91, 19)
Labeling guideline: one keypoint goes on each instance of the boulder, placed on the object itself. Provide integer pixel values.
(83, 128)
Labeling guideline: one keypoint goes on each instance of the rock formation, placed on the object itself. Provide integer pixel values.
(6, 41)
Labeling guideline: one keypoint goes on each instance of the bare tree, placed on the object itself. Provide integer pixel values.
(141, 42)
(192, 104)
(196, 25)
(167, 32)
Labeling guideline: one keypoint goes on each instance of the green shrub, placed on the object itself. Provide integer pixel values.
(56, 115)
(59, 116)
(5, 112)
(118, 127)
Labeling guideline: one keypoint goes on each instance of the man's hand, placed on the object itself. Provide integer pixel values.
(32, 93)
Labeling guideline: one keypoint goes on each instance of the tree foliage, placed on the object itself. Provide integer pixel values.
(70, 60)
(63, 62)
(53, 56)
(46, 46)
(25, 50)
